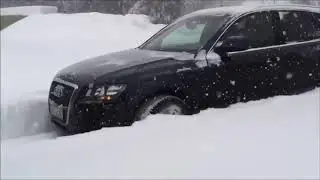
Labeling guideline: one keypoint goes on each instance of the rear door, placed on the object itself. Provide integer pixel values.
(249, 74)
(299, 50)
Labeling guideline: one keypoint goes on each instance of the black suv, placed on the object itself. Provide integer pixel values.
(209, 58)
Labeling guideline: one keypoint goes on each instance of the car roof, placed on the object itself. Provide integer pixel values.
(296, 7)
(236, 10)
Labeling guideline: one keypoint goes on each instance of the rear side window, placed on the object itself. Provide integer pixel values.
(298, 26)
(316, 17)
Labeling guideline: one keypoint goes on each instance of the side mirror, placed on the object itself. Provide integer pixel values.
(213, 58)
(233, 43)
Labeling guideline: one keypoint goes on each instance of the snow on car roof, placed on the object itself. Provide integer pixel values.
(225, 10)
(234, 10)
(290, 7)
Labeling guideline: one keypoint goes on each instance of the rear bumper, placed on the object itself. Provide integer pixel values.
(88, 117)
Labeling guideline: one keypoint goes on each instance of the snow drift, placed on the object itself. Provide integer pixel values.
(35, 48)
(28, 10)
(274, 138)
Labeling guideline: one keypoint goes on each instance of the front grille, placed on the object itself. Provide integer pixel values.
(61, 93)
(66, 94)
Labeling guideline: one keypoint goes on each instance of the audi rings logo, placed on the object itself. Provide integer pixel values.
(58, 91)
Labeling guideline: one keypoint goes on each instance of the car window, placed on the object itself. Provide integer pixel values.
(316, 18)
(298, 26)
(257, 27)
(188, 34)
(184, 35)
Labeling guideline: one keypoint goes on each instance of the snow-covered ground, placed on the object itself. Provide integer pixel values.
(273, 138)
(28, 10)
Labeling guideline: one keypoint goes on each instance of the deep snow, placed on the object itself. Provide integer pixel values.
(28, 10)
(273, 138)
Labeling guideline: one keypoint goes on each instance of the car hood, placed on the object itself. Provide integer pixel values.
(91, 69)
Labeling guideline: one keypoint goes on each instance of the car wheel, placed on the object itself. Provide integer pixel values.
(161, 105)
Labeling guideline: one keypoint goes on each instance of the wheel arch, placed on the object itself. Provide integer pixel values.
(170, 91)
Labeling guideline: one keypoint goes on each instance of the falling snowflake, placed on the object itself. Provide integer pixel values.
(36, 125)
(219, 94)
(289, 75)
(233, 83)
(284, 33)
(268, 61)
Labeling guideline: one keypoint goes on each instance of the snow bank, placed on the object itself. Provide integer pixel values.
(28, 10)
(275, 138)
(26, 116)
(35, 48)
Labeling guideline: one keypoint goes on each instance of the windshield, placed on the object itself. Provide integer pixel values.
(186, 35)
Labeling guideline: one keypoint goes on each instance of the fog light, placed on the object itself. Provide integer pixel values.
(106, 98)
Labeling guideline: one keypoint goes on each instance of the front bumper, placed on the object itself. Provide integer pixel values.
(86, 116)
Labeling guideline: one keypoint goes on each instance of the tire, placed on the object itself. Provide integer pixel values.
(164, 104)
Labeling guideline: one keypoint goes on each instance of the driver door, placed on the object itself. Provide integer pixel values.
(252, 73)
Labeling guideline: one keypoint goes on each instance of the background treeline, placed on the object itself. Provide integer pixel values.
(161, 11)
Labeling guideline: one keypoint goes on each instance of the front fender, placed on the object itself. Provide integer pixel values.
(166, 84)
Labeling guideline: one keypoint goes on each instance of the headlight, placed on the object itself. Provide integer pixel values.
(101, 91)
(115, 89)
